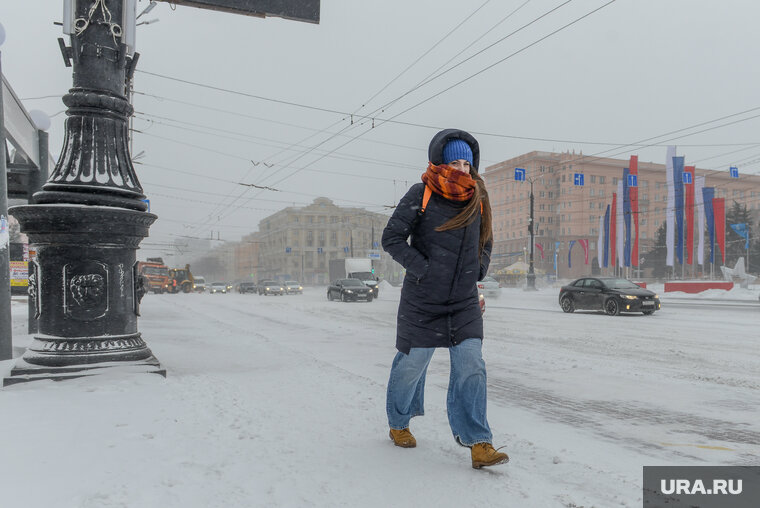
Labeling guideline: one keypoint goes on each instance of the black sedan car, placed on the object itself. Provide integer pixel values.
(349, 290)
(608, 294)
(247, 287)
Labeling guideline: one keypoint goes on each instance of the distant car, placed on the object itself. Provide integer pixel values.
(199, 284)
(270, 287)
(246, 287)
(608, 294)
(292, 287)
(218, 287)
(349, 290)
(489, 287)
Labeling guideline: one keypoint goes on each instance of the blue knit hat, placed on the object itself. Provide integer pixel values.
(457, 149)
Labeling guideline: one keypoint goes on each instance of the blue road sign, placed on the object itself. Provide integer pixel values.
(686, 177)
(578, 179)
(734, 171)
(633, 180)
(375, 245)
(287, 250)
(519, 174)
(345, 249)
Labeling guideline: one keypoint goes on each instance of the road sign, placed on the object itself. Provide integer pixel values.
(633, 181)
(373, 254)
(578, 179)
(375, 245)
(686, 177)
(287, 250)
(519, 174)
(734, 171)
(296, 10)
(345, 249)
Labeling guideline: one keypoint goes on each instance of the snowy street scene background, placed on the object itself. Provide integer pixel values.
(280, 401)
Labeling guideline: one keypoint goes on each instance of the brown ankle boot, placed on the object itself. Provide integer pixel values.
(483, 454)
(403, 438)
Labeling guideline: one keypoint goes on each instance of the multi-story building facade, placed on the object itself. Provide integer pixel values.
(299, 242)
(564, 211)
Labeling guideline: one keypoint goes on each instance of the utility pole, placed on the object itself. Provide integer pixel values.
(531, 277)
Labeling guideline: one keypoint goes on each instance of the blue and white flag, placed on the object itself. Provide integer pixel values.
(678, 163)
(670, 207)
(708, 193)
(741, 230)
(570, 254)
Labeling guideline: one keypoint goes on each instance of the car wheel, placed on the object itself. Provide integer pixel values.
(369, 298)
(567, 304)
(343, 297)
(648, 312)
(612, 307)
(329, 296)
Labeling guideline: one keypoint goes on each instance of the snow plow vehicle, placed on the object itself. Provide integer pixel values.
(155, 274)
(180, 280)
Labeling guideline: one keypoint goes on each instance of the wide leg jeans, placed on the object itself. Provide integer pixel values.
(466, 399)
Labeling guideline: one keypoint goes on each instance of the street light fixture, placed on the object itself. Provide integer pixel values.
(521, 176)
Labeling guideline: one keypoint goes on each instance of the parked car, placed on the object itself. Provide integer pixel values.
(608, 294)
(292, 287)
(270, 287)
(218, 287)
(489, 287)
(347, 290)
(246, 287)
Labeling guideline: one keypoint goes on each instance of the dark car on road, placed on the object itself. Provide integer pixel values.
(609, 294)
(246, 287)
(270, 287)
(349, 290)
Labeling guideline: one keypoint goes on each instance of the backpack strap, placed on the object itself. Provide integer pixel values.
(426, 198)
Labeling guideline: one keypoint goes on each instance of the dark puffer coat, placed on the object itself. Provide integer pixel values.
(439, 299)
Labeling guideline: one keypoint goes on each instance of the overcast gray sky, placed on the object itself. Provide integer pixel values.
(634, 70)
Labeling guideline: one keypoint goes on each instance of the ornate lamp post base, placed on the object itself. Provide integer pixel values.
(24, 371)
(86, 292)
(530, 280)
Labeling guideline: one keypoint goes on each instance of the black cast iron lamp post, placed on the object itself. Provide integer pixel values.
(89, 218)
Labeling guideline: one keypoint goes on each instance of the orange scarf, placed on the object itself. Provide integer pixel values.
(448, 182)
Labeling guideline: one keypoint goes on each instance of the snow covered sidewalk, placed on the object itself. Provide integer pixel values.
(280, 401)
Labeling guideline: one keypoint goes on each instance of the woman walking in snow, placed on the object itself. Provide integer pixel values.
(448, 218)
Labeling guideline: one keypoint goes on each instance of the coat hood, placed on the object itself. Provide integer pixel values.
(435, 150)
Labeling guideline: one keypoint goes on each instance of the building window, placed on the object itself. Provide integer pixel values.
(601, 179)
(310, 238)
(592, 178)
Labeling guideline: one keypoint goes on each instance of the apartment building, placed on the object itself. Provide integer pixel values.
(564, 211)
(299, 242)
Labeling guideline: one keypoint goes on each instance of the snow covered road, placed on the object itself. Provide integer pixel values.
(280, 401)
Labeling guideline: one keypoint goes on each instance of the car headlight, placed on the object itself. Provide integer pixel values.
(629, 297)
(349, 291)
(299, 287)
(267, 289)
(656, 296)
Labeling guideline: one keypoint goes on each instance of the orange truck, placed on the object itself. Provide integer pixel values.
(155, 273)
